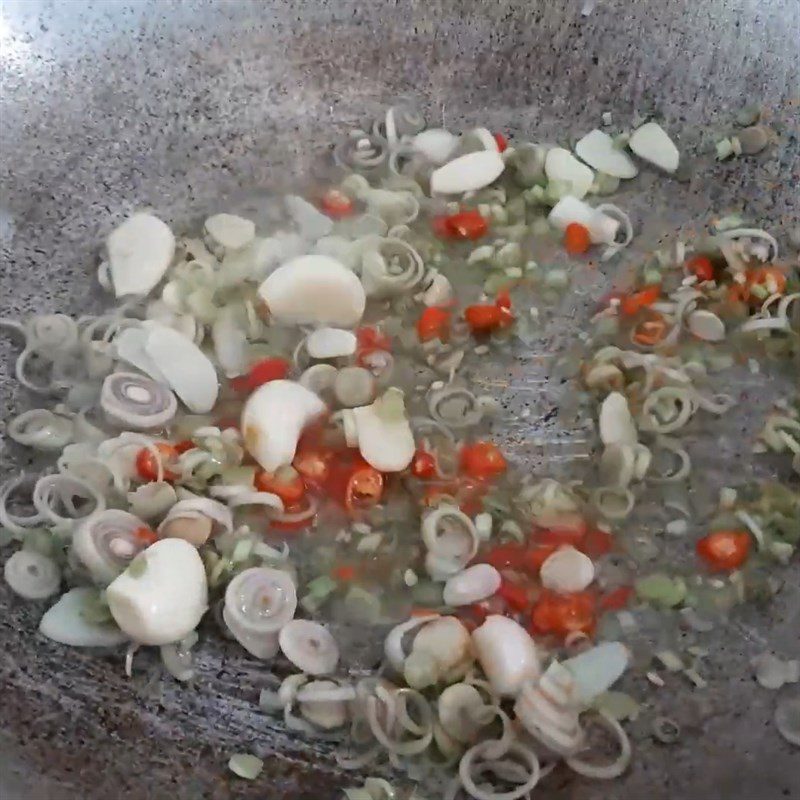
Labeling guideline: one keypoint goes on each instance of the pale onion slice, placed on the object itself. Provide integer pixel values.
(602, 228)
(258, 603)
(230, 343)
(164, 598)
(598, 151)
(589, 769)
(467, 173)
(331, 343)
(106, 542)
(616, 422)
(567, 570)
(787, 719)
(474, 584)
(314, 290)
(137, 402)
(196, 520)
(435, 144)
(385, 438)
(32, 575)
(139, 252)
(273, 419)
(597, 670)
(652, 143)
(560, 165)
(230, 231)
(309, 646)
(185, 367)
(459, 707)
(706, 325)
(507, 654)
(66, 622)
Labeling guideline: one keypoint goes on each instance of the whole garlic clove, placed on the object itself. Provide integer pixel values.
(507, 654)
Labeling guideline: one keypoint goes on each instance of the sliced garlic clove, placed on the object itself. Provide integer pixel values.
(561, 165)
(435, 144)
(439, 291)
(273, 418)
(354, 387)
(602, 228)
(474, 584)
(706, 325)
(314, 290)
(507, 654)
(230, 231)
(66, 622)
(616, 422)
(598, 669)
(162, 596)
(309, 646)
(186, 369)
(567, 570)
(446, 642)
(139, 252)
(598, 151)
(617, 465)
(467, 173)
(230, 344)
(385, 438)
(331, 343)
(129, 346)
(652, 143)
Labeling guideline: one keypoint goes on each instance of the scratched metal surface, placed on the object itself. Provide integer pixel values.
(108, 106)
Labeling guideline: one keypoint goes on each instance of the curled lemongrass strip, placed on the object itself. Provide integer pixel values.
(681, 470)
(392, 267)
(258, 603)
(472, 767)
(605, 771)
(32, 575)
(361, 151)
(17, 523)
(106, 543)
(613, 502)
(455, 407)
(41, 429)
(76, 497)
(451, 539)
(392, 735)
(620, 216)
(752, 233)
(137, 402)
(667, 409)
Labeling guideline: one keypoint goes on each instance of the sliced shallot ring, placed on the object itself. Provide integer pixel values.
(41, 429)
(517, 748)
(137, 402)
(309, 646)
(66, 487)
(393, 646)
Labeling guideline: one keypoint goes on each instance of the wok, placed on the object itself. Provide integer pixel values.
(112, 106)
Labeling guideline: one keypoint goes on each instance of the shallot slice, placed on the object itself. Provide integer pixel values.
(32, 575)
(309, 646)
(196, 520)
(229, 231)
(136, 402)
